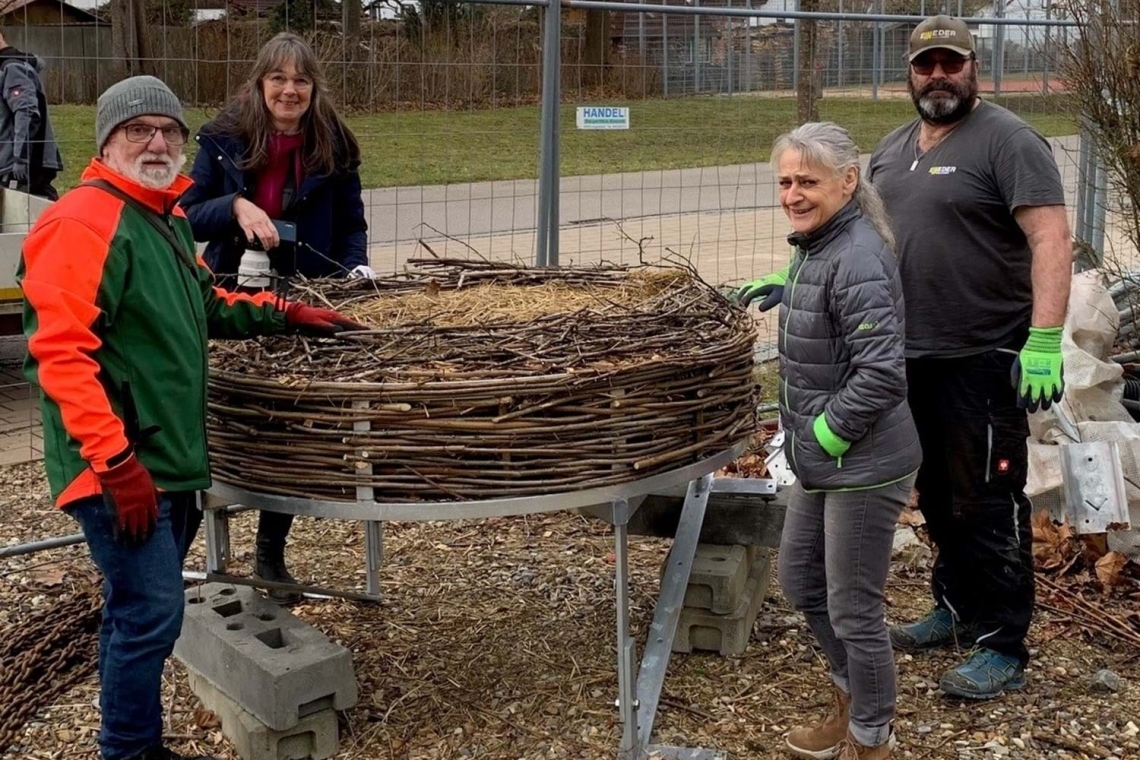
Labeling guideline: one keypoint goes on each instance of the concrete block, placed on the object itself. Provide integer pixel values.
(269, 662)
(727, 634)
(718, 578)
(314, 737)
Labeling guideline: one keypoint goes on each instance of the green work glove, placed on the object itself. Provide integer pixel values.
(1038, 373)
(770, 287)
(831, 443)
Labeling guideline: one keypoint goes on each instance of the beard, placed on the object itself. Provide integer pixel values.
(942, 101)
(156, 177)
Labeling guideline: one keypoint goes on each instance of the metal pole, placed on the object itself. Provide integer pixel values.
(839, 63)
(665, 54)
(875, 55)
(696, 49)
(1082, 233)
(999, 46)
(626, 654)
(1048, 39)
(728, 54)
(641, 34)
(1100, 208)
(748, 50)
(796, 52)
(38, 546)
(548, 129)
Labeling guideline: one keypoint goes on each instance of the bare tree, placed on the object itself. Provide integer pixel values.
(809, 88)
(595, 53)
(1100, 67)
(128, 37)
(351, 18)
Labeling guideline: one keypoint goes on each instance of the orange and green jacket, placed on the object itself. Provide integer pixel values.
(117, 327)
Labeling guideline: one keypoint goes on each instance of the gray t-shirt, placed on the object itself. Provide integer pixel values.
(964, 261)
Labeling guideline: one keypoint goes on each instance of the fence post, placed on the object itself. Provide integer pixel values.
(1048, 39)
(665, 54)
(747, 85)
(546, 232)
(1100, 207)
(641, 35)
(1084, 197)
(875, 52)
(696, 49)
(839, 59)
(999, 46)
(728, 54)
(796, 51)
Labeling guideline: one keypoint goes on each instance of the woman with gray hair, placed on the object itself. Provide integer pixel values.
(850, 438)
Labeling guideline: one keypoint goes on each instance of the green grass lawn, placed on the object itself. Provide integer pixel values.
(438, 146)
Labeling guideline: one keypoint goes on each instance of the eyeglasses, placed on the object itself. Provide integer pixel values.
(278, 82)
(144, 133)
(924, 65)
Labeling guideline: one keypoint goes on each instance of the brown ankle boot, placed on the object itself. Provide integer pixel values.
(853, 750)
(823, 740)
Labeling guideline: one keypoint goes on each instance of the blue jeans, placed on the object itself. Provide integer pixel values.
(142, 617)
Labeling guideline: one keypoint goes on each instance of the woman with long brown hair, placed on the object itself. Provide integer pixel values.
(280, 153)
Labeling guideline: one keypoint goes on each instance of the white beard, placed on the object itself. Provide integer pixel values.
(156, 178)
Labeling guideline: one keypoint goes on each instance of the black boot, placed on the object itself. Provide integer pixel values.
(272, 529)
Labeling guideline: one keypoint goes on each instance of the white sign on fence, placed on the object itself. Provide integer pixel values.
(603, 117)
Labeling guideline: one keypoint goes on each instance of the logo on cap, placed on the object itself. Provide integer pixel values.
(935, 33)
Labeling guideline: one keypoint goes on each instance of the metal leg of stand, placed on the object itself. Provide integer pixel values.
(217, 529)
(626, 648)
(670, 601)
(373, 556)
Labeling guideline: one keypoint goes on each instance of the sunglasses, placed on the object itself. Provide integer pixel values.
(924, 65)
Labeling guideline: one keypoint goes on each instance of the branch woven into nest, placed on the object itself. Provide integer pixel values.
(483, 380)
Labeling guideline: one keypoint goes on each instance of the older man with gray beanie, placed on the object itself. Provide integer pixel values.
(118, 311)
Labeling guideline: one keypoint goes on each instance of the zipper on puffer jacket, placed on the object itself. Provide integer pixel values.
(791, 293)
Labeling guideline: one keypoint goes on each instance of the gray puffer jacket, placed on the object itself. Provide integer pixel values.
(841, 355)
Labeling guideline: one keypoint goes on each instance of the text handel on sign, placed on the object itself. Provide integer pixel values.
(603, 117)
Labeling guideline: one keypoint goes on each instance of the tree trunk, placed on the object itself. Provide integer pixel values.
(595, 56)
(128, 37)
(810, 85)
(351, 21)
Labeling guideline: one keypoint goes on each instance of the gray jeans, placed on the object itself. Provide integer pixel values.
(834, 557)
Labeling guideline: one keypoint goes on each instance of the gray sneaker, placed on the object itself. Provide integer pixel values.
(937, 629)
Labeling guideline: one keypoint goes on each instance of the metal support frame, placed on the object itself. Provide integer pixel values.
(546, 232)
(639, 686)
(639, 683)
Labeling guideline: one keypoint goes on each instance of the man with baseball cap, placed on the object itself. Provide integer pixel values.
(984, 251)
(118, 310)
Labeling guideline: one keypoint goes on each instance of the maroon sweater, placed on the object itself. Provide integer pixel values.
(283, 150)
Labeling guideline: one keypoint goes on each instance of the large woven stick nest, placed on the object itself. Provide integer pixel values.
(484, 380)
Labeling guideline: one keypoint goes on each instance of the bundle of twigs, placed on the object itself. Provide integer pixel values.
(484, 380)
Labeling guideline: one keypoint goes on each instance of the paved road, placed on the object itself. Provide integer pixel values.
(476, 209)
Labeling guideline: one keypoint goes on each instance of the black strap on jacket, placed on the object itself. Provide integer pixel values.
(160, 224)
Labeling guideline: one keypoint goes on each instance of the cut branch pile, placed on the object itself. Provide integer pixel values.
(481, 380)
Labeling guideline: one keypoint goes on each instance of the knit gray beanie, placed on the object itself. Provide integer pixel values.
(137, 96)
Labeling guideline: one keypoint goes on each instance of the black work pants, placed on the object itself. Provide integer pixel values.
(971, 490)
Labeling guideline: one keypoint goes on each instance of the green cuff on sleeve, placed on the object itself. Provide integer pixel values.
(831, 443)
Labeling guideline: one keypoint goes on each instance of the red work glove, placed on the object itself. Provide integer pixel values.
(313, 321)
(131, 496)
